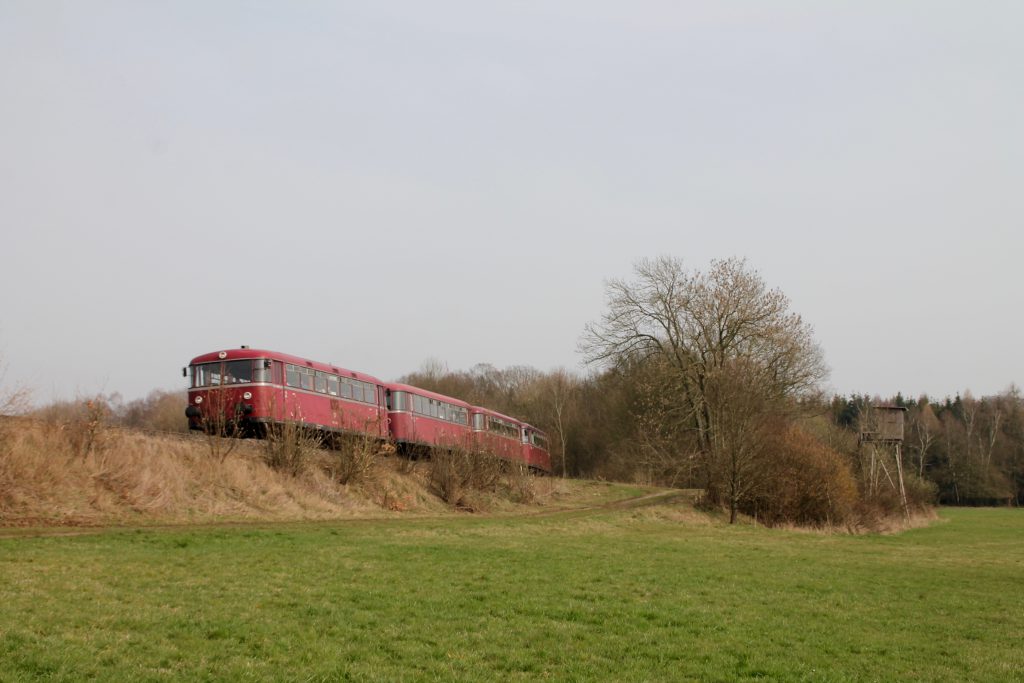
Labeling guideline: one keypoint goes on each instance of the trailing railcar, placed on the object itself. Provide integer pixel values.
(535, 448)
(496, 433)
(241, 391)
(424, 419)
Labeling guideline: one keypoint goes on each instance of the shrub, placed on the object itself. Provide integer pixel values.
(519, 482)
(86, 430)
(289, 446)
(456, 473)
(162, 411)
(353, 458)
(803, 482)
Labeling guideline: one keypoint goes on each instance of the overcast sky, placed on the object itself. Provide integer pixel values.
(375, 184)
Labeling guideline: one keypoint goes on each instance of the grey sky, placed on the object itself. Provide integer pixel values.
(374, 184)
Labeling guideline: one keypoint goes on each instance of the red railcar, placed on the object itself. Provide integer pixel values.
(246, 389)
(496, 433)
(535, 448)
(421, 418)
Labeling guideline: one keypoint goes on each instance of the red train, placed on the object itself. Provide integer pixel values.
(249, 389)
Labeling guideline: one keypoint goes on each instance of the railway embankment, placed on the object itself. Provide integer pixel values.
(60, 475)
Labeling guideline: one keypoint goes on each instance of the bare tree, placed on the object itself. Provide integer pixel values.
(925, 428)
(701, 324)
(741, 413)
(559, 390)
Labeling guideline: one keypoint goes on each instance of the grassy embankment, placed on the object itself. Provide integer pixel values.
(124, 477)
(660, 593)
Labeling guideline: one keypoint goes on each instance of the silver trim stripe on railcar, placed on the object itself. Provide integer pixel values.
(285, 387)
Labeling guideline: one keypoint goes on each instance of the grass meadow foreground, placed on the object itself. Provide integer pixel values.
(659, 593)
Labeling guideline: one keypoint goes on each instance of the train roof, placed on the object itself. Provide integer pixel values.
(429, 394)
(245, 353)
(536, 429)
(495, 413)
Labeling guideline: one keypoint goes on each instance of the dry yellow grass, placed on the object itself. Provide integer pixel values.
(47, 478)
(136, 477)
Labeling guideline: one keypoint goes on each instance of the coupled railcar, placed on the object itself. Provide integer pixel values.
(497, 433)
(248, 389)
(535, 449)
(424, 419)
(243, 391)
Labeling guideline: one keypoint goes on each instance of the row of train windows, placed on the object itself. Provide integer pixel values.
(439, 409)
(332, 385)
(538, 440)
(499, 426)
(403, 400)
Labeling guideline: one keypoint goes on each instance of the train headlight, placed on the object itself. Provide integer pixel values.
(199, 399)
(247, 395)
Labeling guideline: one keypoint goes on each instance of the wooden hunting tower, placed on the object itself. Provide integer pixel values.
(885, 425)
(881, 437)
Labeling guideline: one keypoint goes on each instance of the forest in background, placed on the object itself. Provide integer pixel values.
(961, 450)
(705, 379)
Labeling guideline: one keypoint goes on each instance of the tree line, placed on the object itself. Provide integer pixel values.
(971, 449)
(705, 379)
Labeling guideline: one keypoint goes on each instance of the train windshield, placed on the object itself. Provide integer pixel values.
(206, 375)
(230, 372)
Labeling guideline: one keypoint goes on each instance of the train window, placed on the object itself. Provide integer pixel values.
(434, 408)
(419, 404)
(206, 375)
(503, 428)
(237, 372)
(369, 393)
(321, 382)
(332, 385)
(478, 422)
(399, 401)
(306, 377)
(292, 376)
(346, 389)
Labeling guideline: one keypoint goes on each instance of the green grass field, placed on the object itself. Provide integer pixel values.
(635, 594)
